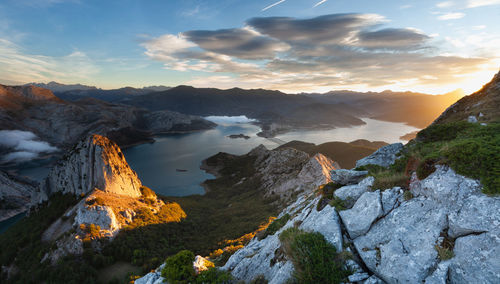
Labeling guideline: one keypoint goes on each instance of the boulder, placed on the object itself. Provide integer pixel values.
(102, 216)
(353, 192)
(399, 248)
(346, 177)
(440, 275)
(384, 156)
(325, 222)
(153, 277)
(360, 217)
(478, 214)
(391, 198)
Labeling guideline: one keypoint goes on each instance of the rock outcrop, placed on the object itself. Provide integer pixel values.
(384, 156)
(95, 162)
(15, 195)
(396, 240)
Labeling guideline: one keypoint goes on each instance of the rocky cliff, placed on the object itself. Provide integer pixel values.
(110, 194)
(15, 195)
(95, 162)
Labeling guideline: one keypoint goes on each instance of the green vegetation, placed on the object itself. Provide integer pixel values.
(275, 226)
(444, 253)
(471, 149)
(407, 195)
(179, 268)
(338, 203)
(228, 211)
(214, 275)
(315, 260)
(326, 191)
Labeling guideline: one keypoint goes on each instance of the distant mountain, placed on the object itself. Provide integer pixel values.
(63, 123)
(57, 87)
(77, 91)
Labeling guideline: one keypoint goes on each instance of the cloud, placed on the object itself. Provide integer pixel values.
(319, 3)
(241, 43)
(349, 51)
(445, 4)
(17, 65)
(480, 3)
(272, 5)
(451, 16)
(23, 145)
(392, 38)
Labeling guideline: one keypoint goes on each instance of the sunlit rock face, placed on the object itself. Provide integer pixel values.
(95, 162)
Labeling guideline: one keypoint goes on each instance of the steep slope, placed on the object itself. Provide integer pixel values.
(15, 195)
(95, 162)
(483, 105)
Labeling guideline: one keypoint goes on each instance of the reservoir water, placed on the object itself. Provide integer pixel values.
(171, 165)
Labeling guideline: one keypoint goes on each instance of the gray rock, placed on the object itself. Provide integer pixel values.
(345, 177)
(367, 209)
(440, 275)
(373, 280)
(357, 277)
(472, 119)
(353, 192)
(102, 216)
(384, 156)
(400, 247)
(325, 222)
(445, 186)
(477, 259)
(478, 214)
(391, 199)
(152, 277)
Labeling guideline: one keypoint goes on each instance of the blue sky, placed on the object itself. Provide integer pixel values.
(429, 46)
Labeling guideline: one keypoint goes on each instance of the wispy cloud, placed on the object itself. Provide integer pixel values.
(480, 3)
(272, 5)
(445, 4)
(451, 16)
(319, 3)
(19, 66)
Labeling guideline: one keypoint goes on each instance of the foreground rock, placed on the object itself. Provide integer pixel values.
(15, 195)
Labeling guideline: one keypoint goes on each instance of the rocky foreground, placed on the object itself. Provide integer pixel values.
(393, 237)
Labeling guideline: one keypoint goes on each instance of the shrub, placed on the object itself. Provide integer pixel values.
(338, 203)
(315, 260)
(426, 168)
(214, 275)
(443, 132)
(179, 268)
(444, 253)
(275, 226)
(147, 192)
(407, 195)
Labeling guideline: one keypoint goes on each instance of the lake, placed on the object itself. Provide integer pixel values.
(171, 165)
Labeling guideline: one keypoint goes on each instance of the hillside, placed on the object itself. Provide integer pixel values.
(346, 154)
(62, 123)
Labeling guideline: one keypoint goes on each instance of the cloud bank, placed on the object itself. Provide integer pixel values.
(22, 145)
(230, 119)
(336, 50)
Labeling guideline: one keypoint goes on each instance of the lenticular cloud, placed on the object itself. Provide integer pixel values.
(23, 145)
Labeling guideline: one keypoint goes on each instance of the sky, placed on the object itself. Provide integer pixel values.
(289, 45)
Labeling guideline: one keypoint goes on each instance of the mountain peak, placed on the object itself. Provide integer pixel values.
(94, 163)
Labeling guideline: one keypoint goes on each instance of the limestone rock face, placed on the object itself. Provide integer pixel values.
(284, 171)
(15, 195)
(201, 264)
(384, 156)
(152, 277)
(354, 191)
(365, 211)
(102, 216)
(95, 162)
